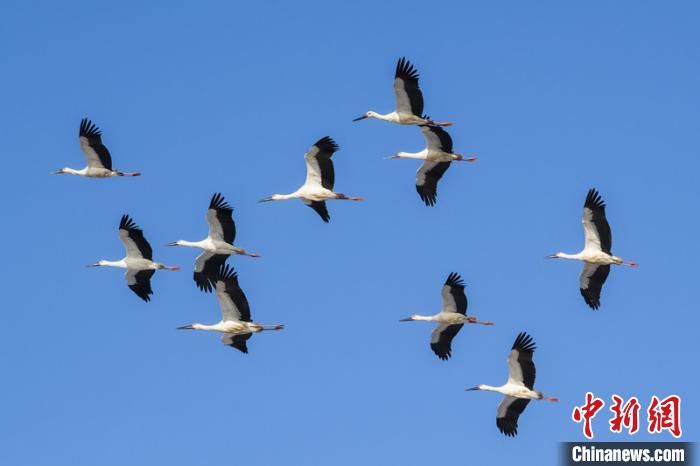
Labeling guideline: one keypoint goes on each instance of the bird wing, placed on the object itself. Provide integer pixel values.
(206, 267)
(595, 225)
(140, 282)
(508, 413)
(521, 369)
(134, 242)
(320, 208)
(237, 341)
(95, 152)
(319, 166)
(591, 282)
(220, 220)
(234, 305)
(427, 178)
(453, 297)
(409, 98)
(436, 138)
(441, 340)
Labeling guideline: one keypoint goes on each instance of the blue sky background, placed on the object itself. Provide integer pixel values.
(224, 96)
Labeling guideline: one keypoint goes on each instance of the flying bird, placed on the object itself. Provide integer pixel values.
(597, 252)
(235, 324)
(138, 262)
(518, 390)
(217, 246)
(99, 161)
(320, 179)
(437, 157)
(450, 319)
(409, 99)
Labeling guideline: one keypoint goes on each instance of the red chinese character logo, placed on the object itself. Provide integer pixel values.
(626, 415)
(665, 415)
(587, 412)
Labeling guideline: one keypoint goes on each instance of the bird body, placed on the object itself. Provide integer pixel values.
(138, 262)
(98, 157)
(451, 317)
(437, 157)
(320, 180)
(597, 253)
(217, 246)
(519, 389)
(235, 325)
(409, 99)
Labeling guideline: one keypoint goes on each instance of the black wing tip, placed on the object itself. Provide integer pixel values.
(219, 203)
(202, 282)
(327, 144)
(225, 272)
(592, 301)
(430, 199)
(507, 428)
(88, 128)
(440, 352)
(454, 279)
(594, 200)
(524, 343)
(405, 70)
(127, 223)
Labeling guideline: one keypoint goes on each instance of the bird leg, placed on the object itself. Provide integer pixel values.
(174, 268)
(128, 174)
(272, 327)
(551, 398)
(250, 254)
(343, 197)
(631, 264)
(465, 159)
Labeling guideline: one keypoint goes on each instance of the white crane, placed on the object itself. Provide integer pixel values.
(320, 179)
(217, 246)
(450, 319)
(409, 99)
(138, 262)
(518, 390)
(235, 324)
(99, 161)
(437, 157)
(597, 252)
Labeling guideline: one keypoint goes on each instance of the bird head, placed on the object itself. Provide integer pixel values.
(174, 243)
(369, 114)
(556, 255)
(97, 264)
(58, 172)
(478, 387)
(409, 319)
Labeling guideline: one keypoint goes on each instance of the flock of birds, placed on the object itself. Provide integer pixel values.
(211, 273)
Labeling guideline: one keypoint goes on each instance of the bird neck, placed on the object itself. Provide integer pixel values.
(393, 116)
(191, 244)
(121, 264)
(422, 155)
(563, 255)
(489, 388)
(214, 327)
(284, 197)
(72, 171)
(423, 318)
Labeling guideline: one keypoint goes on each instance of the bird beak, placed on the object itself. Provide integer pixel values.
(551, 256)
(174, 243)
(93, 265)
(393, 156)
(185, 327)
(360, 118)
(56, 172)
(266, 199)
(471, 389)
(407, 319)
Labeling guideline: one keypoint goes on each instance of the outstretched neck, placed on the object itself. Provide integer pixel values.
(422, 155)
(190, 244)
(563, 255)
(120, 264)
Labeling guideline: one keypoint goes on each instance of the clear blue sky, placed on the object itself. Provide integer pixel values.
(224, 96)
